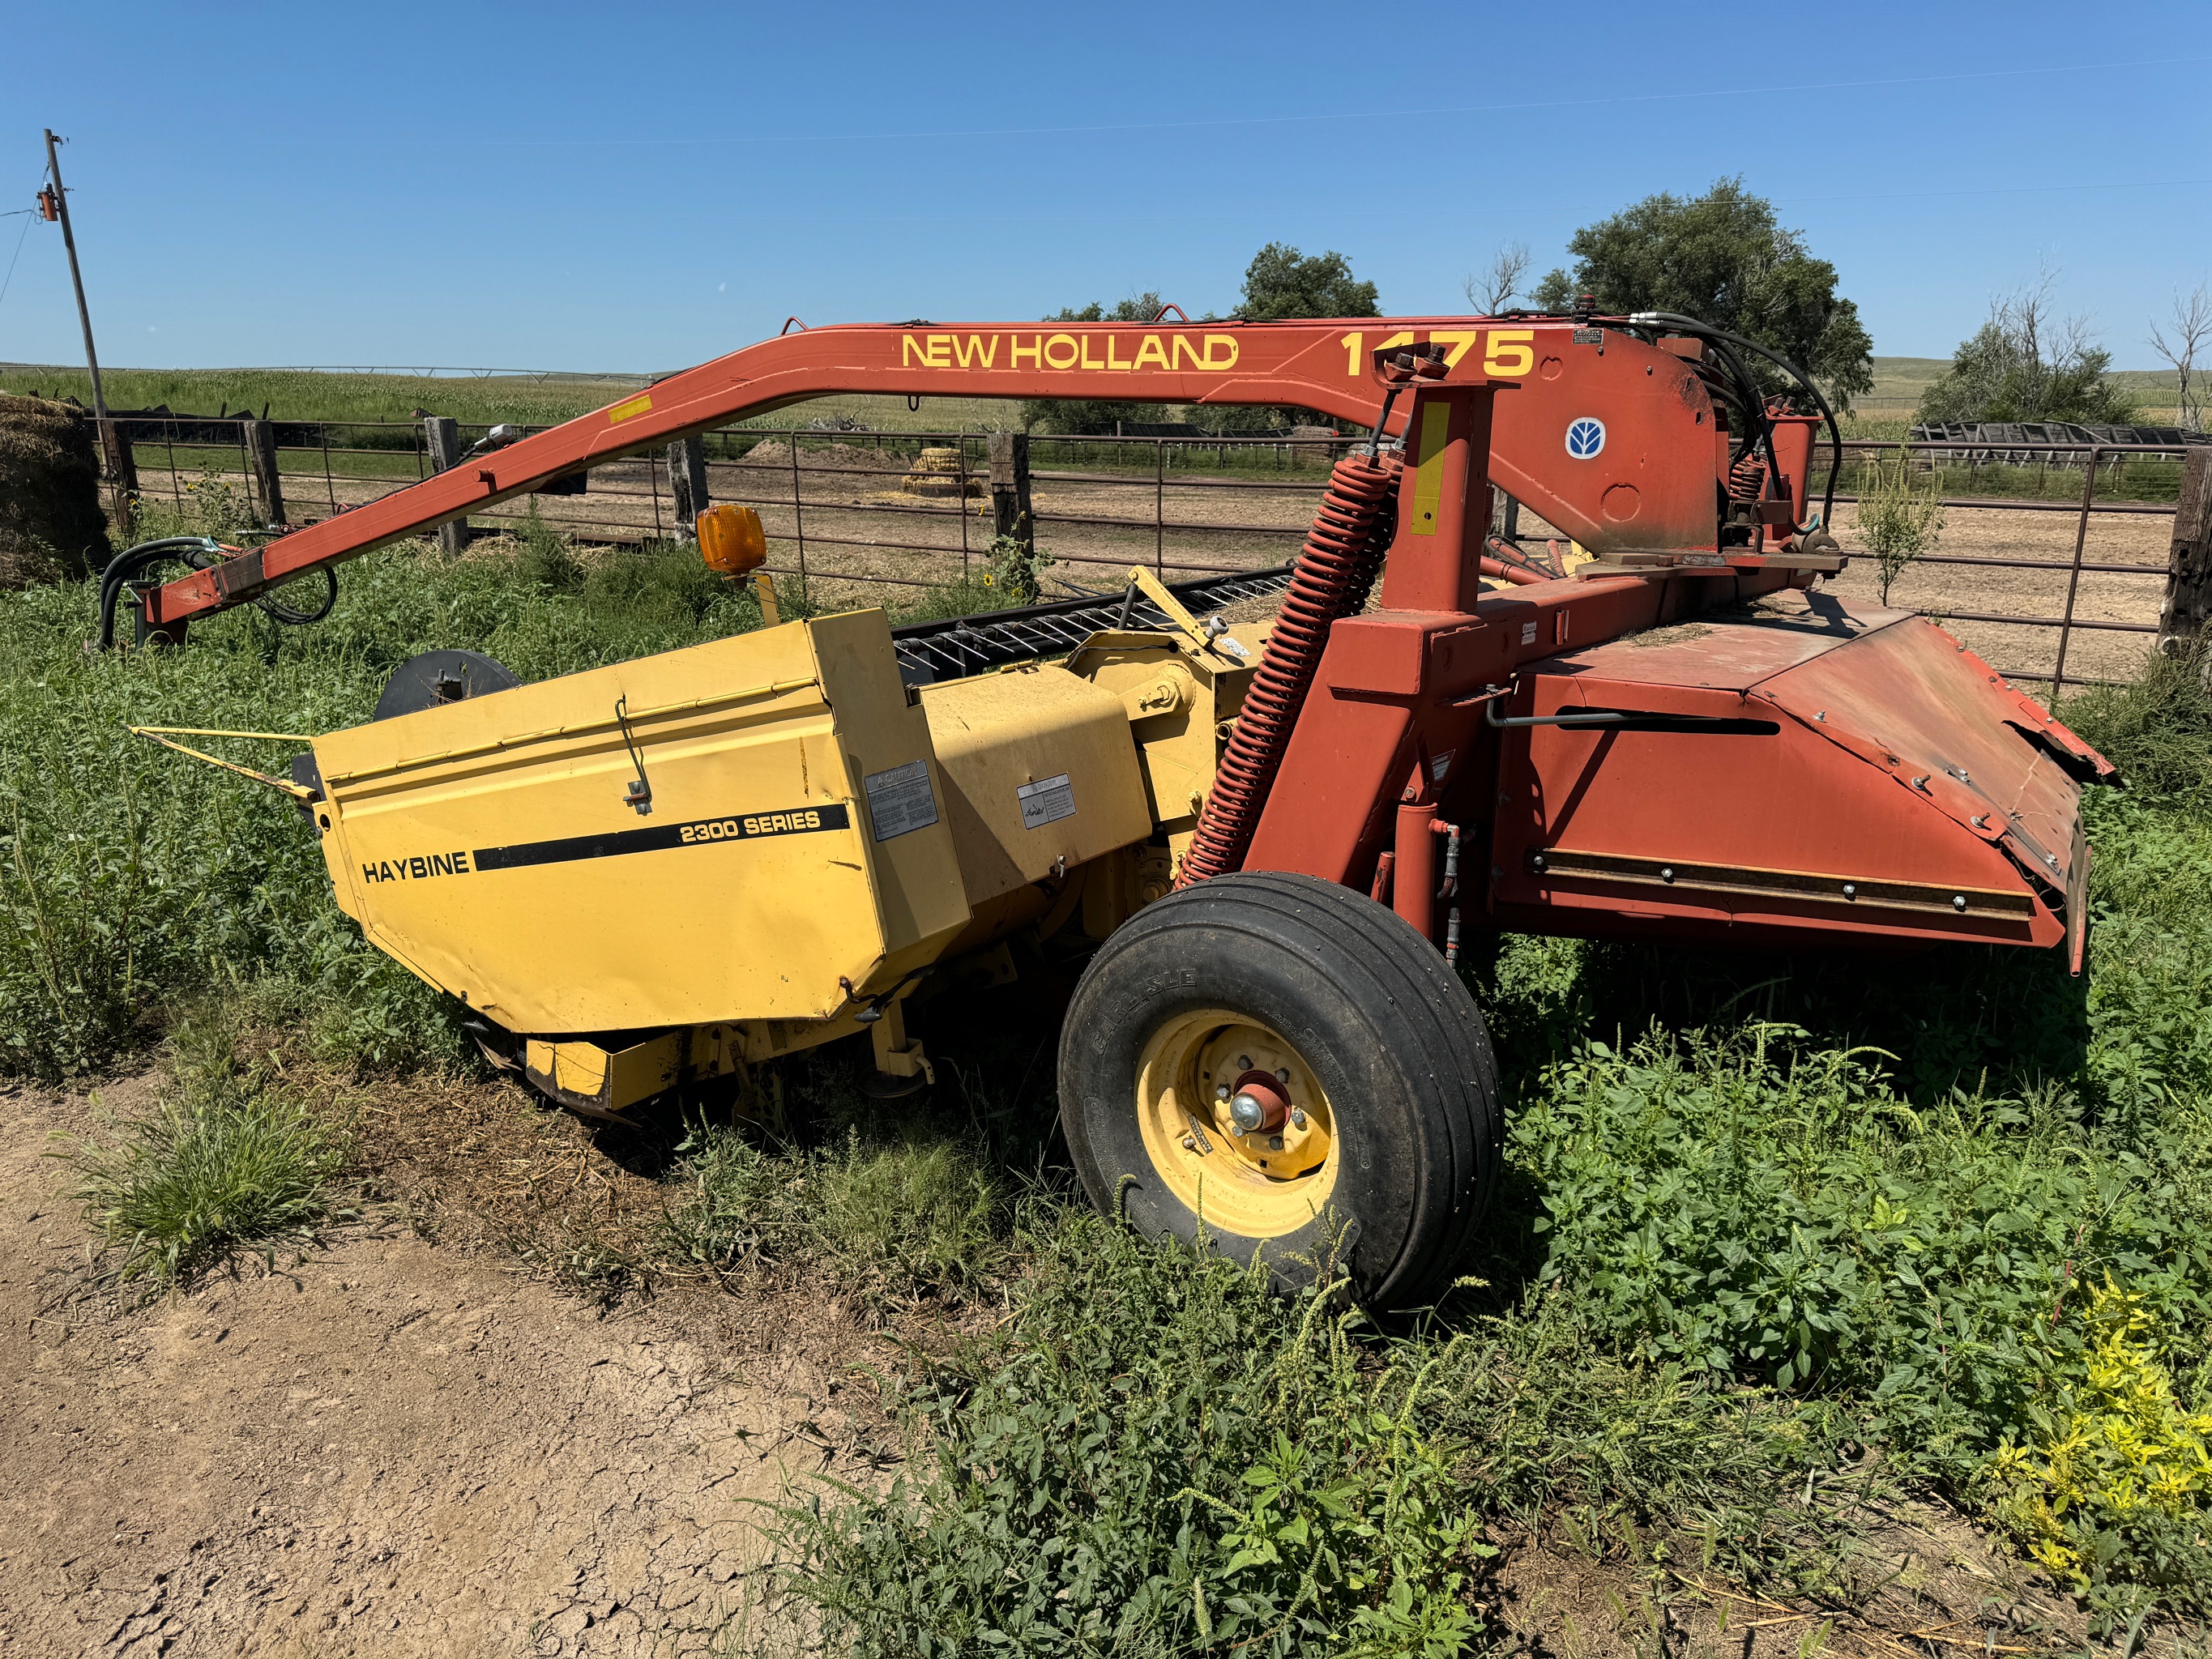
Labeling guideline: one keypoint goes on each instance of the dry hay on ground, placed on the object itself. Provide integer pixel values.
(777, 452)
(52, 525)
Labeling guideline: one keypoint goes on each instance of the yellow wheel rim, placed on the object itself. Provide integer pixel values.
(1260, 1185)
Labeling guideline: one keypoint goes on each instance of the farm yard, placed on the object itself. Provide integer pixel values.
(1830, 1306)
(834, 983)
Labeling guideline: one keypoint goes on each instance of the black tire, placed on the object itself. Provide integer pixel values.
(433, 678)
(1381, 1024)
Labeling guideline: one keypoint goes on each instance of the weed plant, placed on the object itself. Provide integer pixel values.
(1899, 517)
(892, 1217)
(230, 1160)
(1157, 1455)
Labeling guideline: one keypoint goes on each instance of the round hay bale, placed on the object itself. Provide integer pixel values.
(51, 526)
(938, 472)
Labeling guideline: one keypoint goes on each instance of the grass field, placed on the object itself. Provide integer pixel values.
(297, 394)
(316, 395)
(1782, 1241)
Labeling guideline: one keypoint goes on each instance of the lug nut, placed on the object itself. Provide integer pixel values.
(1299, 1117)
(1243, 1062)
(1282, 1074)
(1274, 1143)
(1221, 1091)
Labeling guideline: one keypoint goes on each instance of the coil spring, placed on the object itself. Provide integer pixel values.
(1748, 477)
(1335, 572)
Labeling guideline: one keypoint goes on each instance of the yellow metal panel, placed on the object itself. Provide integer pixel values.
(488, 843)
(1041, 773)
(1175, 699)
(914, 871)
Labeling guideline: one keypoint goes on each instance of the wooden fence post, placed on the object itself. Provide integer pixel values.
(268, 483)
(1009, 489)
(123, 474)
(443, 436)
(2182, 620)
(687, 482)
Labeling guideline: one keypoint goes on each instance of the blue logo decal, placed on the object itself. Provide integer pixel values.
(1585, 437)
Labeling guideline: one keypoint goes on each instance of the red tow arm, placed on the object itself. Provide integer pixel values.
(1640, 474)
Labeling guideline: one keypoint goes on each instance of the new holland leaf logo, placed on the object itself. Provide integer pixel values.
(1585, 437)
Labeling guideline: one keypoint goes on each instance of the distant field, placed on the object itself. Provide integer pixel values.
(312, 394)
(297, 394)
(1899, 383)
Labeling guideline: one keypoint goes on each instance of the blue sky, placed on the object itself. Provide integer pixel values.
(646, 187)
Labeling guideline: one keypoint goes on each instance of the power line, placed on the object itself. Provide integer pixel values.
(19, 254)
(1794, 90)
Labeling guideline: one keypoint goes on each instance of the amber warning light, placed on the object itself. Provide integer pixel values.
(731, 539)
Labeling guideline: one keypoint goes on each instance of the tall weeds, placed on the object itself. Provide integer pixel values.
(130, 877)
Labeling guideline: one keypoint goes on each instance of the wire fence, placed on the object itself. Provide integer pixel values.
(2053, 561)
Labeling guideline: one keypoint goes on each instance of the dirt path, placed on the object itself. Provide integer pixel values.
(384, 1450)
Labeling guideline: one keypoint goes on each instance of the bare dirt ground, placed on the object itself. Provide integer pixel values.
(392, 1447)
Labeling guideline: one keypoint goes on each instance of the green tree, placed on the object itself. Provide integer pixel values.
(2027, 364)
(1281, 282)
(1096, 415)
(1724, 258)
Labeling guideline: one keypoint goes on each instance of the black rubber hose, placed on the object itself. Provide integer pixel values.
(198, 553)
(1755, 405)
(278, 611)
(132, 560)
(1835, 432)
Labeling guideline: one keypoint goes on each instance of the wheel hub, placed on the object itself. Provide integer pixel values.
(1236, 1123)
(1258, 1104)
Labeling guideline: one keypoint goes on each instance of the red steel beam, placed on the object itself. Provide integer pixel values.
(1646, 487)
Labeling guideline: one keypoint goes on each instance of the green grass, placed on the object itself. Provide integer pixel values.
(294, 394)
(228, 1161)
(893, 1216)
(1158, 1454)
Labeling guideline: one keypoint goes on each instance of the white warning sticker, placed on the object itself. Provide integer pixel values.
(1046, 801)
(901, 800)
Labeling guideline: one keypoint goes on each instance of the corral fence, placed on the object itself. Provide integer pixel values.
(872, 508)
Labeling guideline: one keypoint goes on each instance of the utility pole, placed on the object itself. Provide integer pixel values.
(83, 311)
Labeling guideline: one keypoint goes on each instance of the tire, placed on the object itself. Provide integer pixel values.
(433, 679)
(1401, 1136)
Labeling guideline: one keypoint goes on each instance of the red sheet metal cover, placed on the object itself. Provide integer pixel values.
(1909, 699)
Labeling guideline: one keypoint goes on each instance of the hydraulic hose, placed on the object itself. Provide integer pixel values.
(129, 563)
(1690, 324)
(1335, 573)
(197, 553)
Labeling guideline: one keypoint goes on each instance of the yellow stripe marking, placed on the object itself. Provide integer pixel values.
(1429, 467)
(630, 411)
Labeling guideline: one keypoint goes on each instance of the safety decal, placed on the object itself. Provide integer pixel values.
(1046, 801)
(1585, 437)
(901, 800)
(659, 837)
